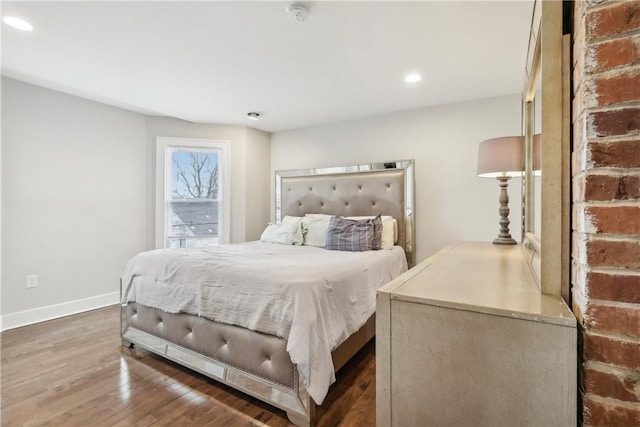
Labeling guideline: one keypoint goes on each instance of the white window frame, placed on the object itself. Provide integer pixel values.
(163, 145)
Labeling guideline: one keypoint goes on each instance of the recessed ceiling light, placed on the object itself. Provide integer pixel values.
(253, 115)
(412, 78)
(18, 23)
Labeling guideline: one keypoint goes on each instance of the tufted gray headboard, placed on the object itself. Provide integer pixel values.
(358, 190)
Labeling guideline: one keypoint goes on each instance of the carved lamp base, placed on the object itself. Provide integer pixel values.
(504, 241)
(504, 237)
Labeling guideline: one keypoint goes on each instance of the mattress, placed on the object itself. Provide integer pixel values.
(312, 297)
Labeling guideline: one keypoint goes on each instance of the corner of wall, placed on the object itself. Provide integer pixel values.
(606, 209)
(1, 138)
(258, 188)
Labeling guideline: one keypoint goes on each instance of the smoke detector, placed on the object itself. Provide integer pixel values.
(297, 13)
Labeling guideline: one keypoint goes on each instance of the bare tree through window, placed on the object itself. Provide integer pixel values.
(196, 178)
(194, 197)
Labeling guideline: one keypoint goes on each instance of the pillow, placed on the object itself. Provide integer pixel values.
(288, 232)
(377, 234)
(314, 229)
(269, 233)
(351, 235)
(323, 216)
(389, 230)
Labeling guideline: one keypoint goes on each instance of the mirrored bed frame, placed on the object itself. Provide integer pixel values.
(256, 363)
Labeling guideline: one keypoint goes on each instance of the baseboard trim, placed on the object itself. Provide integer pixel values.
(50, 312)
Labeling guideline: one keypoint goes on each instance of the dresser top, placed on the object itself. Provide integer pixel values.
(480, 277)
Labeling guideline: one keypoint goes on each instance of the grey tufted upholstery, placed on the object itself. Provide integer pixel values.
(355, 194)
(260, 354)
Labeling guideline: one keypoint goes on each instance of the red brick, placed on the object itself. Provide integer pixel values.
(591, 3)
(613, 384)
(621, 154)
(579, 75)
(624, 121)
(611, 187)
(579, 248)
(578, 222)
(575, 266)
(579, 31)
(579, 10)
(614, 319)
(579, 131)
(609, 415)
(615, 53)
(619, 18)
(621, 353)
(615, 219)
(579, 183)
(577, 310)
(618, 89)
(613, 253)
(614, 287)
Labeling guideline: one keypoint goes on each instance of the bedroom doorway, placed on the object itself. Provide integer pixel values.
(192, 192)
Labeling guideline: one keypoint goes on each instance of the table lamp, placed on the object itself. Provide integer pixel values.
(502, 158)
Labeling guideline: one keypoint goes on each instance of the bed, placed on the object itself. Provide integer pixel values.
(264, 361)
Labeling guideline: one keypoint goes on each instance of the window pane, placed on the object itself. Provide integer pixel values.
(194, 197)
(194, 174)
(186, 242)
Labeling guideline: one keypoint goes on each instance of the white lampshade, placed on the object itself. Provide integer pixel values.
(501, 157)
(505, 156)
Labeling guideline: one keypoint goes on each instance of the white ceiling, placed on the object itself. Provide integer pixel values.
(213, 62)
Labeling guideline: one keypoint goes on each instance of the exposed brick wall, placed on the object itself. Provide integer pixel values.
(606, 208)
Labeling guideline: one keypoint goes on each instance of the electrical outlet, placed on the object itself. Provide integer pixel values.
(32, 281)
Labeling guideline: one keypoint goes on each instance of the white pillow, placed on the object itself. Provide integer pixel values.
(388, 230)
(269, 233)
(288, 232)
(314, 228)
(322, 216)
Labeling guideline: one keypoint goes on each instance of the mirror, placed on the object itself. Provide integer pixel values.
(532, 125)
(536, 190)
(546, 112)
(537, 172)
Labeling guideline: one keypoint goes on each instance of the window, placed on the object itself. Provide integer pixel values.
(192, 192)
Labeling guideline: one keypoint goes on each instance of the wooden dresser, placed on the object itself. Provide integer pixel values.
(466, 338)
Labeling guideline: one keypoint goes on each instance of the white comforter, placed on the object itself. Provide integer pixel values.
(310, 296)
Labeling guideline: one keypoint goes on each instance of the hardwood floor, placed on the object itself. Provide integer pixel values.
(74, 372)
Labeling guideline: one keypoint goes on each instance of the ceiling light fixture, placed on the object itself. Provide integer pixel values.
(253, 115)
(297, 13)
(412, 78)
(18, 23)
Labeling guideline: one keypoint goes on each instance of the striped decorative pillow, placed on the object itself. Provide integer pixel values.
(353, 235)
(377, 233)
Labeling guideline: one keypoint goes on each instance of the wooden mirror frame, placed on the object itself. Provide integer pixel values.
(549, 255)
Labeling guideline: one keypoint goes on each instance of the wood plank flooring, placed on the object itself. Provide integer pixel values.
(74, 372)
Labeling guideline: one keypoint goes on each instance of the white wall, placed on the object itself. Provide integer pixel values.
(73, 201)
(78, 183)
(259, 179)
(78, 196)
(451, 202)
